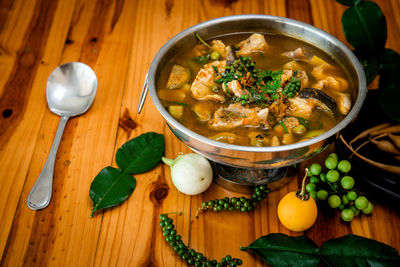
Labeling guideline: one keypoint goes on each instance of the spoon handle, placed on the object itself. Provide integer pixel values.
(40, 195)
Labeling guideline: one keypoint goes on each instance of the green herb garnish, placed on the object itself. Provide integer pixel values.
(303, 122)
(284, 127)
(263, 85)
(174, 103)
(201, 40)
(202, 59)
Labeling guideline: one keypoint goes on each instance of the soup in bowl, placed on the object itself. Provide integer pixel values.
(256, 91)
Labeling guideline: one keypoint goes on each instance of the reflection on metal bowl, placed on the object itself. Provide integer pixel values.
(246, 156)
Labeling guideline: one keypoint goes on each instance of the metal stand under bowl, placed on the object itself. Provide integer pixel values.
(244, 180)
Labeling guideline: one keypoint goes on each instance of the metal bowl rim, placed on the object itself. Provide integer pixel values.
(362, 92)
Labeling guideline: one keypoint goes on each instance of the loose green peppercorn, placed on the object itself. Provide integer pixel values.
(243, 204)
(215, 55)
(190, 255)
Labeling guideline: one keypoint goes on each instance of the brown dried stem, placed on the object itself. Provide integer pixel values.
(386, 167)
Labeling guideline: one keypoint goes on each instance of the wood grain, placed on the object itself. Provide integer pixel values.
(118, 39)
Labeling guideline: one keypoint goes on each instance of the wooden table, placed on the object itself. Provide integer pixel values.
(118, 39)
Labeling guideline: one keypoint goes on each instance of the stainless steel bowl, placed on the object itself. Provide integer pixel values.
(246, 156)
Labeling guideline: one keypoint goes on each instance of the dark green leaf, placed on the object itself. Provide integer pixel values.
(110, 187)
(113, 186)
(353, 250)
(389, 84)
(390, 65)
(389, 101)
(140, 154)
(364, 26)
(282, 250)
(349, 2)
(370, 64)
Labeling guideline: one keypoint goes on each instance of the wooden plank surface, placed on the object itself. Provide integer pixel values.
(118, 39)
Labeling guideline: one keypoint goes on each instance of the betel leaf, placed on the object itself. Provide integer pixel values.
(353, 250)
(110, 187)
(113, 186)
(364, 26)
(282, 250)
(140, 154)
(349, 2)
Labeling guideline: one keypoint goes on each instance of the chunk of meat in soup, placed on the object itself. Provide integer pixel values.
(302, 107)
(294, 65)
(343, 101)
(337, 85)
(178, 77)
(205, 79)
(295, 54)
(255, 43)
(234, 87)
(235, 115)
(325, 79)
(219, 46)
(203, 110)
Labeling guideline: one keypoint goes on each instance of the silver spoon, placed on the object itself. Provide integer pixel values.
(70, 91)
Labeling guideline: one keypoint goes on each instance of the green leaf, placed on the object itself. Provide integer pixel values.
(390, 65)
(371, 65)
(110, 187)
(349, 2)
(282, 250)
(364, 26)
(389, 101)
(353, 250)
(389, 84)
(113, 186)
(140, 154)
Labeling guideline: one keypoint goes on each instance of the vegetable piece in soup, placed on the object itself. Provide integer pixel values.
(256, 90)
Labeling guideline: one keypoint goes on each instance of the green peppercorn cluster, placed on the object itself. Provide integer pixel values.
(292, 87)
(336, 186)
(243, 99)
(244, 64)
(242, 204)
(187, 254)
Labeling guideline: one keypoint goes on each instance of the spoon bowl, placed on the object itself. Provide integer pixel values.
(70, 91)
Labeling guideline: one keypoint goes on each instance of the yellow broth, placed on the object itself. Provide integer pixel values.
(319, 122)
